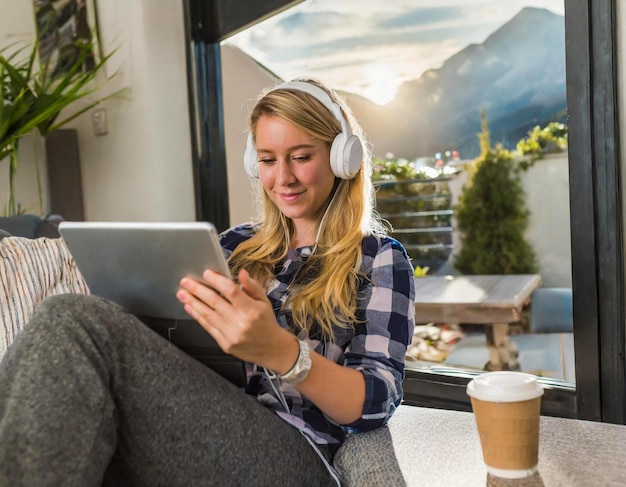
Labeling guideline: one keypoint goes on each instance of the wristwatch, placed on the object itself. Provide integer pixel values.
(301, 368)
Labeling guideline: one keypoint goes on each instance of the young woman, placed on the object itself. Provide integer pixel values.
(321, 311)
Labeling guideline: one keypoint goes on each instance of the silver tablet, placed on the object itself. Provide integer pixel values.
(139, 265)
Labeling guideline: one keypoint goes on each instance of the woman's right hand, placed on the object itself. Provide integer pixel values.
(240, 318)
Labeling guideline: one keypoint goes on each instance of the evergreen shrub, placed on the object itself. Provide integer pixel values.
(492, 218)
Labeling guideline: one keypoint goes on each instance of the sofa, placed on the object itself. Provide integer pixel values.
(31, 269)
(418, 447)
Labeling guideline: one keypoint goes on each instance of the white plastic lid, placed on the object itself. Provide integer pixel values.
(505, 386)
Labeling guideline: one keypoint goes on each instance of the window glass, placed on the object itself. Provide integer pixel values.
(464, 103)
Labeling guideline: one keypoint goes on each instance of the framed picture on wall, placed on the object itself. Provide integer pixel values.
(61, 25)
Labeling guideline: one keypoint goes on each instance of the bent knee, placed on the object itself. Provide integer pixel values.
(68, 308)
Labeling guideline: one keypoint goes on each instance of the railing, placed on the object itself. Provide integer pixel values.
(420, 213)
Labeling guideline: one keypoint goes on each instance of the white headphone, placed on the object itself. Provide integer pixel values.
(346, 151)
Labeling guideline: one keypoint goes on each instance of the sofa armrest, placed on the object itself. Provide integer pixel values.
(21, 225)
(32, 226)
(369, 459)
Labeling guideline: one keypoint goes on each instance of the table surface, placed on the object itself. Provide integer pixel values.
(473, 299)
(436, 447)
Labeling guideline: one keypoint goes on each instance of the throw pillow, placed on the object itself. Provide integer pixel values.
(30, 271)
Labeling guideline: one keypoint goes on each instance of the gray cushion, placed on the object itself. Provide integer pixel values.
(21, 226)
(31, 226)
(369, 459)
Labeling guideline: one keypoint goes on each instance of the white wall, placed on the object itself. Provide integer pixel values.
(243, 79)
(140, 170)
(546, 185)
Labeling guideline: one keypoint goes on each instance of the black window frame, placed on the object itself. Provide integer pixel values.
(595, 198)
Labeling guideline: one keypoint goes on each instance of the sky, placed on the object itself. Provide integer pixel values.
(370, 47)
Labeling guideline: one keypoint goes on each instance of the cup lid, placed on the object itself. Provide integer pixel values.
(505, 386)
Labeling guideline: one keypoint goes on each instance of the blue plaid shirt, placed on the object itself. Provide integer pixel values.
(376, 345)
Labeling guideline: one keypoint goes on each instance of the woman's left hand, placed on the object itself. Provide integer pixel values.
(240, 319)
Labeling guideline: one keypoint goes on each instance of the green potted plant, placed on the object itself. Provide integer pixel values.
(550, 139)
(32, 99)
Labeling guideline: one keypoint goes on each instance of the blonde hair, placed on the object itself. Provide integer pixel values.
(325, 289)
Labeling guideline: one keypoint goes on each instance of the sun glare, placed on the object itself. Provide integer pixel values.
(381, 83)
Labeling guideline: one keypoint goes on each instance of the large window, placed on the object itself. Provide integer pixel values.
(596, 256)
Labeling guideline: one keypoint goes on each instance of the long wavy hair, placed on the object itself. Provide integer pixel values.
(324, 291)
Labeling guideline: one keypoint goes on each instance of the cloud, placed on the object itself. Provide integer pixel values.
(420, 17)
(338, 40)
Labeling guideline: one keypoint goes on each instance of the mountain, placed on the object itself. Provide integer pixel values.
(517, 75)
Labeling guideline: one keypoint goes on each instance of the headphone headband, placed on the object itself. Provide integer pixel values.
(319, 94)
(346, 152)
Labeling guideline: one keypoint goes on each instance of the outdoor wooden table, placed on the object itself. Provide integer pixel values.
(491, 300)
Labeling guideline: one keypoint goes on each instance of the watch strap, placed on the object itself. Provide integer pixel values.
(301, 368)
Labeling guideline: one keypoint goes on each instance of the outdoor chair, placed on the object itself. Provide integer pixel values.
(551, 310)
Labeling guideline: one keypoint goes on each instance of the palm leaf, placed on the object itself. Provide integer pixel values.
(33, 98)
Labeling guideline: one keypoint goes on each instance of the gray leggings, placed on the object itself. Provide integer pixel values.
(90, 396)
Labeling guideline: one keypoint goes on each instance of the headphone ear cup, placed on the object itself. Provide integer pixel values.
(250, 163)
(336, 156)
(353, 155)
(346, 151)
(346, 155)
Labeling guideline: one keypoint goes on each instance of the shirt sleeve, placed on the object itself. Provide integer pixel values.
(386, 312)
(231, 238)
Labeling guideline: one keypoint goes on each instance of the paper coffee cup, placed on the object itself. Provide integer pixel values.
(507, 407)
